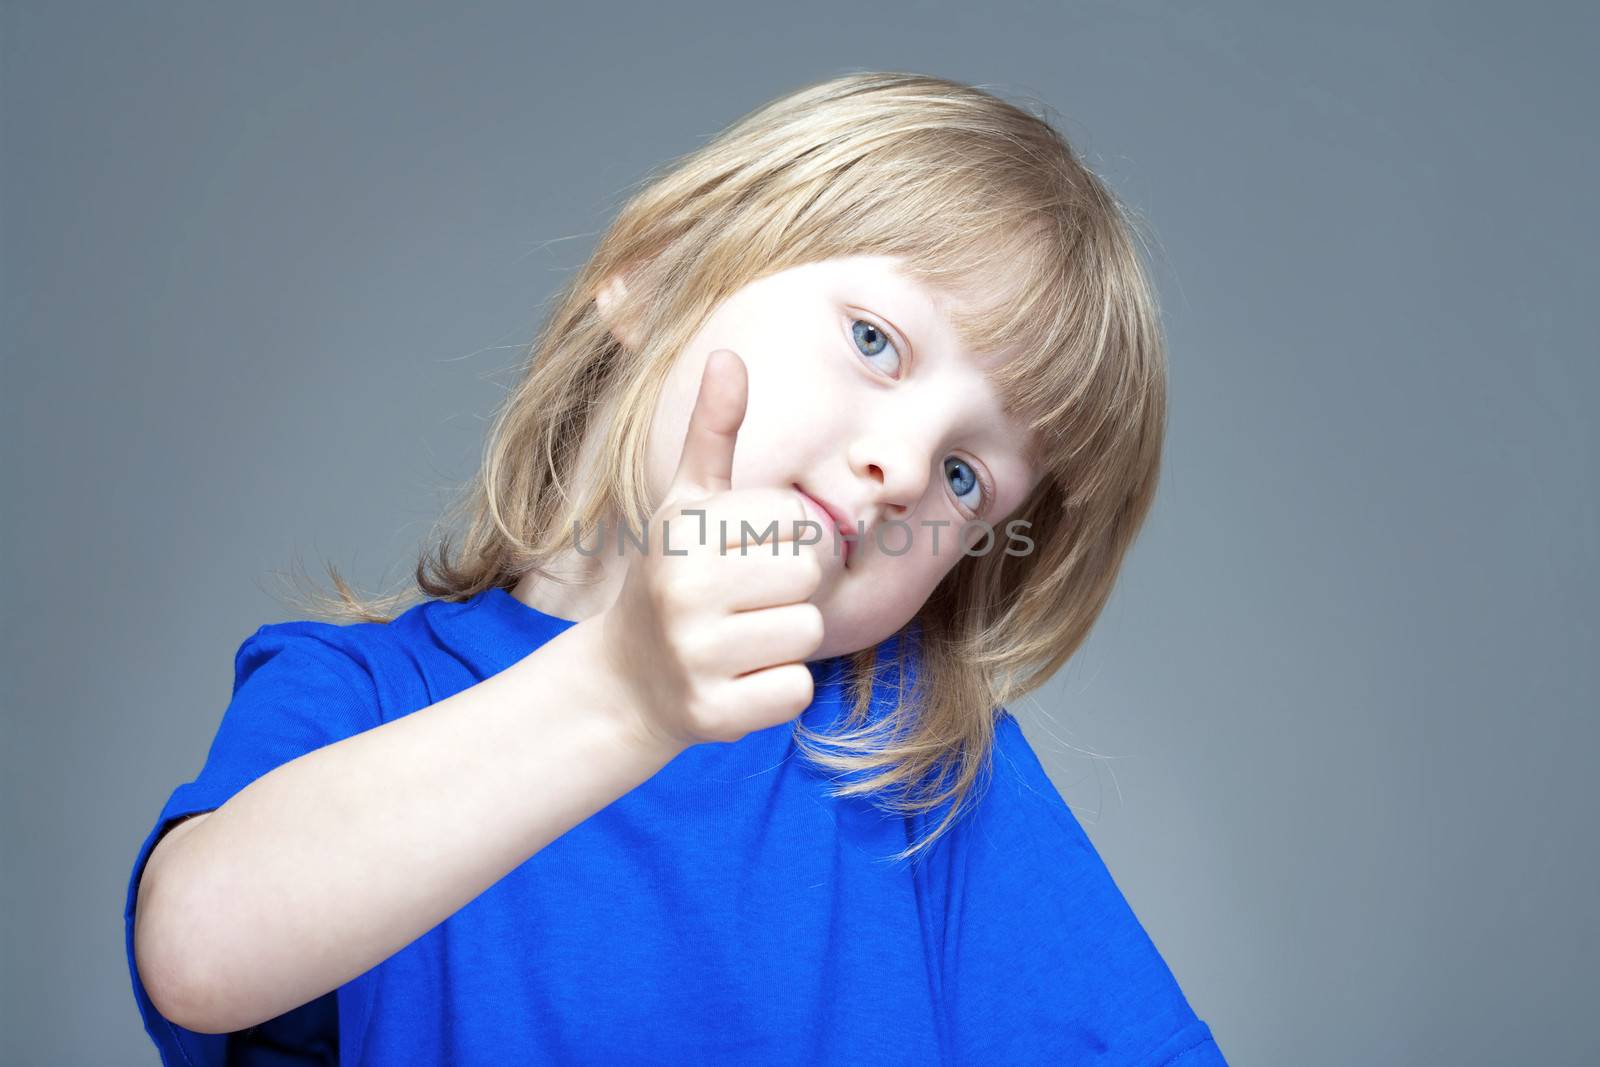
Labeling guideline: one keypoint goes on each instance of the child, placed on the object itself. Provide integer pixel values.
(641, 784)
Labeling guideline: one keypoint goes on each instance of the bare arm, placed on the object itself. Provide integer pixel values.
(329, 864)
(324, 867)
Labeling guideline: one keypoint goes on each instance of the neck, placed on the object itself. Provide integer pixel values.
(578, 586)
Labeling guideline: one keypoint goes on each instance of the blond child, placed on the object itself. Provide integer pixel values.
(697, 749)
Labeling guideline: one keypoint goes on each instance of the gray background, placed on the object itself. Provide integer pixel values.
(266, 268)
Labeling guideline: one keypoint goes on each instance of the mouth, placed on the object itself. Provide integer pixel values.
(829, 519)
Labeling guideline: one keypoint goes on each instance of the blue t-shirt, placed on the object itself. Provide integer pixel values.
(727, 910)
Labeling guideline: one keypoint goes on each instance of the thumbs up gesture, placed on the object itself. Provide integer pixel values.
(709, 636)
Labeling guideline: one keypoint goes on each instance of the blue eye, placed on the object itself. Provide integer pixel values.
(965, 480)
(874, 339)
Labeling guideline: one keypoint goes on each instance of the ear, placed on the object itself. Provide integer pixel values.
(611, 299)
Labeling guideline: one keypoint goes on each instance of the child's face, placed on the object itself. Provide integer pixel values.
(861, 397)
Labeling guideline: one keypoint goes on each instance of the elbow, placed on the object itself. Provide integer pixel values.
(171, 964)
(171, 995)
(164, 975)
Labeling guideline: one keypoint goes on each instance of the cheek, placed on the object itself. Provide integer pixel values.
(883, 596)
(794, 420)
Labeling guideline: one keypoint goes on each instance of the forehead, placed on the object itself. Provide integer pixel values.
(937, 309)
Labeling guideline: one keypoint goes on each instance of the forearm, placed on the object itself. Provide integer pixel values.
(331, 863)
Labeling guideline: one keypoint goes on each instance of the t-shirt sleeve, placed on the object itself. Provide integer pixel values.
(1044, 960)
(294, 691)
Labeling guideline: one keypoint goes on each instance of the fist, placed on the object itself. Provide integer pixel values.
(710, 632)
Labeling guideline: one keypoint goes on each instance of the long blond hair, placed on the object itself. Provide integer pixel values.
(978, 197)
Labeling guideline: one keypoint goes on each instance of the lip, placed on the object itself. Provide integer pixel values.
(829, 515)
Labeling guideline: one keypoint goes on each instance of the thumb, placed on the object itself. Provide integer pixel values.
(707, 460)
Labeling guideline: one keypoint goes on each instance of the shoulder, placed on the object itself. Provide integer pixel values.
(1018, 798)
(348, 653)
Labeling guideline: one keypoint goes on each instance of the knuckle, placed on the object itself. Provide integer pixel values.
(809, 564)
(688, 646)
(676, 589)
(799, 686)
(811, 625)
(712, 721)
(702, 648)
(725, 732)
(698, 713)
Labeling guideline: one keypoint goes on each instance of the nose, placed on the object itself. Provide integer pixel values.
(895, 468)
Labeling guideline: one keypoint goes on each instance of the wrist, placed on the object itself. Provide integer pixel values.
(590, 653)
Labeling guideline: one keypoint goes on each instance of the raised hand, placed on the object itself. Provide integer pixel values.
(711, 644)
